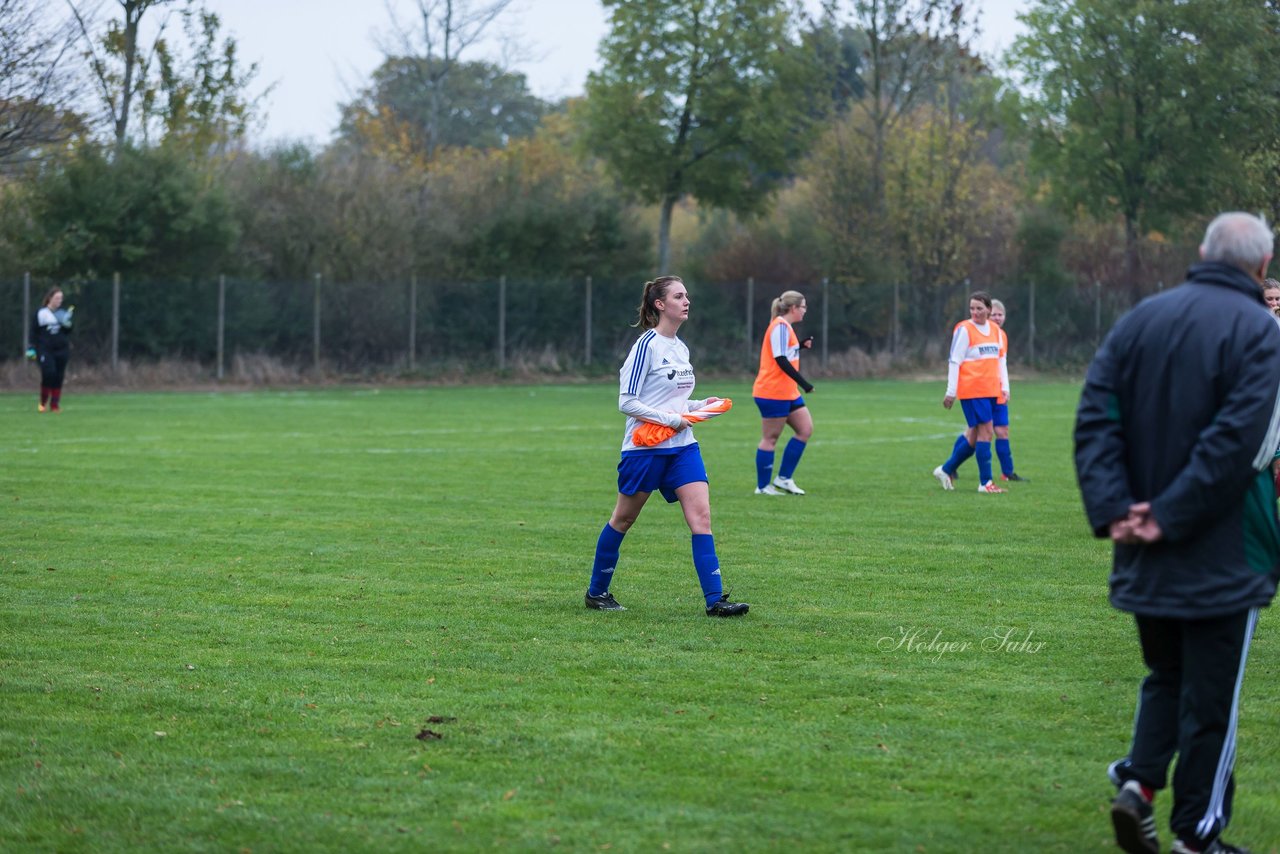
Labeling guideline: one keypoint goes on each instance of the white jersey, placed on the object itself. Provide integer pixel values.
(654, 385)
(49, 320)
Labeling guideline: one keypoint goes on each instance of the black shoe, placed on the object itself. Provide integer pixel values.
(725, 608)
(1134, 821)
(1217, 846)
(1014, 476)
(603, 602)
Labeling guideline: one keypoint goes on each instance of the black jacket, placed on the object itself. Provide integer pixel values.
(1180, 408)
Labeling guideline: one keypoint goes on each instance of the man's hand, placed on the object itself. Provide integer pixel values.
(948, 401)
(1138, 528)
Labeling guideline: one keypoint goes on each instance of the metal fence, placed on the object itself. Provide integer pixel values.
(422, 325)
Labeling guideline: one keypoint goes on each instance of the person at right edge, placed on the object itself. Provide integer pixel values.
(1174, 435)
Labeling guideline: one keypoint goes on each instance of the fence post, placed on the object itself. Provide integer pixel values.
(222, 320)
(115, 322)
(315, 326)
(1097, 313)
(1031, 326)
(502, 322)
(413, 321)
(26, 312)
(826, 317)
(751, 307)
(587, 331)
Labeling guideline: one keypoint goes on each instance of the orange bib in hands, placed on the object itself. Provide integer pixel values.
(648, 434)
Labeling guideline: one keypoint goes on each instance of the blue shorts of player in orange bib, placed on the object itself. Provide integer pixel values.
(770, 408)
(978, 410)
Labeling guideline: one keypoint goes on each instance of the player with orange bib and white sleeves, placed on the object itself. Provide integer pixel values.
(977, 375)
(1004, 451)
(778, 398)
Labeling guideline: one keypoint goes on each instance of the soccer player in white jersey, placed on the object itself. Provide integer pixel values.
(654, 386)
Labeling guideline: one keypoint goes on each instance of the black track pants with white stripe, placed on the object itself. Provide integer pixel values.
(1188, 706)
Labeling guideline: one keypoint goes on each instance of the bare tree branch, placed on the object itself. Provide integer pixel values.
(35, 87)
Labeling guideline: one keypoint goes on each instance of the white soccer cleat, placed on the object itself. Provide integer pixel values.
(768, 489)
(943, 478)
(786, 484)
(990, 488)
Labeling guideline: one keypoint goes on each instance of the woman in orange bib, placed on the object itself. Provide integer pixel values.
(977, 376)
(777, 395)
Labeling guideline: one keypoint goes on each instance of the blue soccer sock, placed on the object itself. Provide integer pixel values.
(708, 567)
(983, 453)
(764, 468)
(960, 452)
(791, 457)
(1006, 456)
(606, 560)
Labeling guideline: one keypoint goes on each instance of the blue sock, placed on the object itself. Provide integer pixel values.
(606, 560)
(791, 457)
(708, 567)
(983, 453)
(1006, 456)
(959, 453)
(764, 468)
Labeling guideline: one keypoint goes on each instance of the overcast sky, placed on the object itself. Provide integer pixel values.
(317, 53)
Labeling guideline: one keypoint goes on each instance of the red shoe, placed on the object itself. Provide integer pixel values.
(989, 488)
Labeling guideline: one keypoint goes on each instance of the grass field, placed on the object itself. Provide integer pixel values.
(228, 618)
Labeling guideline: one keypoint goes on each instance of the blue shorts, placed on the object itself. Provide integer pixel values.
(978, 410)
(1000, 415)
(645, 471)
(777, 408)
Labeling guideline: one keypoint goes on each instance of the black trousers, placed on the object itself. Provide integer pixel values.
(1188, 706)
(53, 367)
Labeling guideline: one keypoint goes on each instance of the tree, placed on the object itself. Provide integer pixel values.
(119, 63)
(192, 93)
(1144, 109)
(476, 104)
(943, 198)
(1262, 158)
(199, 99)
(701, 98)
(416, 91)
(913, 51)
(143, 212)
(35, 87)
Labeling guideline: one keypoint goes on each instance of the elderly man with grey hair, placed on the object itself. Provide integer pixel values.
(1177, 424)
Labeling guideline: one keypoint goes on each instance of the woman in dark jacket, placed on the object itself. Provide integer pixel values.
(51, 349)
